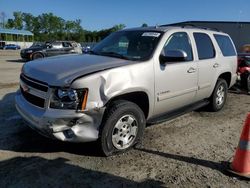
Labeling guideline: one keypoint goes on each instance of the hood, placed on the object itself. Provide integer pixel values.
(62, 70)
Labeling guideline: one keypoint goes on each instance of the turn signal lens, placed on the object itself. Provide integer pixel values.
(84, 101)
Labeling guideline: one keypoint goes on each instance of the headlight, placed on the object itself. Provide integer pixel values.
(74, 99)
(29, 51)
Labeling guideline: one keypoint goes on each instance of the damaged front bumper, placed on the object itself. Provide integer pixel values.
(65, 125)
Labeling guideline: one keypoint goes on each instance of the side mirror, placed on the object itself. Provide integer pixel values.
(49, 45)
(173, 56)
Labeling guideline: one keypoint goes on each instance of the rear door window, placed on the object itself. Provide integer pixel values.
(66, 44)
(225, 45)
(204, 46)
(57, 45)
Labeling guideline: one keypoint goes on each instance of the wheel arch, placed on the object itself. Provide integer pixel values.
(138, 97)
(38, 52)
(227, 76)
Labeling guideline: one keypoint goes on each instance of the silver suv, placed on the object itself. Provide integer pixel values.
(133, 77)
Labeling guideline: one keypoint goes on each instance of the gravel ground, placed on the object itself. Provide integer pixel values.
(189, 151)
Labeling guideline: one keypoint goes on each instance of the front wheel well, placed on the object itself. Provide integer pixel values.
(227, 77)
(139, 98)
(34, 53)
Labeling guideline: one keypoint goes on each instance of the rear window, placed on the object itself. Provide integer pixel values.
(204, 46)
(225, 45)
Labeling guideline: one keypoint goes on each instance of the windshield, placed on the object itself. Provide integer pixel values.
(131, 45)
(38, 44)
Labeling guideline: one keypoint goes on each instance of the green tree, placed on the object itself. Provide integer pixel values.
(28, 20)
(118, 27)
(48, 26)
(10, 24)
(144, 25)
(18, 20)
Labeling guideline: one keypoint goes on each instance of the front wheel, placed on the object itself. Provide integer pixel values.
(37, 56)
(122, 128)
(219, 96)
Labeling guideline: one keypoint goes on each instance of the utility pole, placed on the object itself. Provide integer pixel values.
(3, 15)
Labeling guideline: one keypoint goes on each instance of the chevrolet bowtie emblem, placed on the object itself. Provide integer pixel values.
(25, 88)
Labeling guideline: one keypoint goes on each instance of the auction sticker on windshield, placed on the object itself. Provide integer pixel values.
(151, 34)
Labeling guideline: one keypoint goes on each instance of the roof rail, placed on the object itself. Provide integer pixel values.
(187, 25)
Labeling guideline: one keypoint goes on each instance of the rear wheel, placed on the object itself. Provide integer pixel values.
(219, 96)
(37, 56)
(123, 127)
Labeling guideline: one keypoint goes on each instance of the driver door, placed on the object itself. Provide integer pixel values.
(176, 82)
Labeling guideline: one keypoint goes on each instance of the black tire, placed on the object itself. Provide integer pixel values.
(119, 114)
(37, 56)
(219, 96)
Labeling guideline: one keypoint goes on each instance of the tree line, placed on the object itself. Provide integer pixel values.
(48, 26)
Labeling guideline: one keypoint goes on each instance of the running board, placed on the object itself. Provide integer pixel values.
(173, 114)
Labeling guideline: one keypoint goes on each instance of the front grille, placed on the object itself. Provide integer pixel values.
(34, 83)
(33, 91)
(33, 99)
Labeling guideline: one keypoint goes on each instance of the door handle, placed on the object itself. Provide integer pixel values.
(191, 70)
(215, 65)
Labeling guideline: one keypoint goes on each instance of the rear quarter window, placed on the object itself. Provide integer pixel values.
(225, 45)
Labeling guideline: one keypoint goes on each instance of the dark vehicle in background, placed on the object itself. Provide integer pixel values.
(244, 70)
(87, 47)
(47, 49)
(2, 44)
(11, 47)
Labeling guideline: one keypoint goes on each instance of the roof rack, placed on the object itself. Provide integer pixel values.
(187, 25)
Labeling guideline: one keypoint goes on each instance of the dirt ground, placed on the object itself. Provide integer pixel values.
(189, 151)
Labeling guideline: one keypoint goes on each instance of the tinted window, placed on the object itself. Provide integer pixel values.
(66, 44)
(179, 41)
(225, 45)
(204, 46)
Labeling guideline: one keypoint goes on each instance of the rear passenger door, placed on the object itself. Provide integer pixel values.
(176, 82)
(207, 64)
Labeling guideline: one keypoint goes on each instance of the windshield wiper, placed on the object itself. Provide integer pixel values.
(114, 54)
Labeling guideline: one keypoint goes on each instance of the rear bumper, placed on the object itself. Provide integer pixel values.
(65, 125)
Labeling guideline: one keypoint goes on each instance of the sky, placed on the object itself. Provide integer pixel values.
(101, 14)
